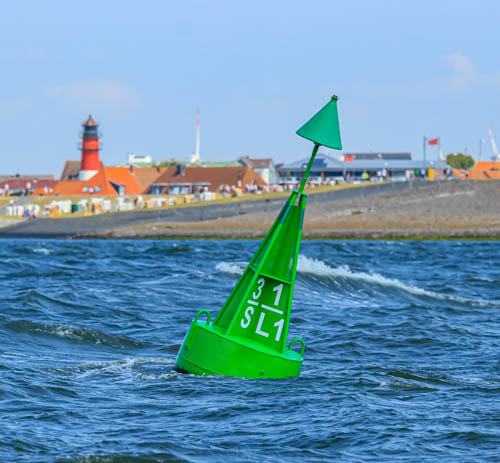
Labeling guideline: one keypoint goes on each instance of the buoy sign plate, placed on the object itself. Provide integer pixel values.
(264, 314)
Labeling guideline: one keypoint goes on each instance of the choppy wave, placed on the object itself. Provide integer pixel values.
(317, 267)
(71, 333)
(320, 268)
(407, 385)
(87, 369)
(228, 267)
(118, 459)
(44, 251)
(120, 366)
(34, 295)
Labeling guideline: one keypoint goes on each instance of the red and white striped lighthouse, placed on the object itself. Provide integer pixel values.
(91, 163)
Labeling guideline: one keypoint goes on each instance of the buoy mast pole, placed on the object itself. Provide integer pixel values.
(308, 169)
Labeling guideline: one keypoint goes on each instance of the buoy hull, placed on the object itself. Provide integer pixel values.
(207, 351)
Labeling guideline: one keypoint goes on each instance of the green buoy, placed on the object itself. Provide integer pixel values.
(248, 338)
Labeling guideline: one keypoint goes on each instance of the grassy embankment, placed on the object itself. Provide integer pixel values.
(4, 202)
(6, 220)
(43, 201)
(450, 210)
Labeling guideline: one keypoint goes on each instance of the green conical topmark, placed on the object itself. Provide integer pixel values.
(323, 128)
(248, 338)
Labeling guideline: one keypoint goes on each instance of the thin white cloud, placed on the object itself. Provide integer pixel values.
(465, 71)
(495, 79)
(101, 93)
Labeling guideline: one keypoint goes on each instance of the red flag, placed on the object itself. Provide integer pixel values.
(433, 141)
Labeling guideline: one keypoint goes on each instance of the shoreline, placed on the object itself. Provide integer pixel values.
(448, 211)
(304, 238)
(452, 210)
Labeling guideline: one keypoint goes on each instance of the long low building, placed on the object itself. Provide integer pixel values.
(349, 166)
(26, 185)
(187, 180)
(482, 170)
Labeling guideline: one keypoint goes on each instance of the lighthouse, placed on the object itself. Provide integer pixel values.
(91, 163)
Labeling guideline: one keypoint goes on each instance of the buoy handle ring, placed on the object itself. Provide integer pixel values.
(200, 312)
(293, 341)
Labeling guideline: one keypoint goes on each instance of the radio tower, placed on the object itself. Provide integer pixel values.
(493, 145)
(196, 156)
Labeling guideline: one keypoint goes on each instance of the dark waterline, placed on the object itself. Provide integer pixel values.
(402, 354)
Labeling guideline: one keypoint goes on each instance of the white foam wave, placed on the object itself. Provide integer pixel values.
(44, 251)
(115, 366)
(227, 267)
(153, 377)
(318, 267)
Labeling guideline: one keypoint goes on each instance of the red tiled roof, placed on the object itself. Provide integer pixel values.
(487, 165)
(70, 170)
(145, 176)
(217, 176)
(257, 163)
(27, 177)
(483, 170)
(122, 176)
(26, 184)
(45, 188)
(69, 188)
(102, 180)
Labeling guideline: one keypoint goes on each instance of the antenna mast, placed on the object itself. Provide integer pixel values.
(493, 145)
(197, 151)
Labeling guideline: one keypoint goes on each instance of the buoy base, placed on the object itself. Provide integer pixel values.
(207, 351)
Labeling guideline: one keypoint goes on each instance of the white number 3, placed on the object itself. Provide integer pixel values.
(260, 283)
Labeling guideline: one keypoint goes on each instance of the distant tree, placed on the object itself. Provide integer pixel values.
(170, 163)
(460, 161)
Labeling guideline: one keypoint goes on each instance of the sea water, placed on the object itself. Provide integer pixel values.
(402, 359)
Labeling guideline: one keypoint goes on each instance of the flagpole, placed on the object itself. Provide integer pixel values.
(438, 150)
(425, 142)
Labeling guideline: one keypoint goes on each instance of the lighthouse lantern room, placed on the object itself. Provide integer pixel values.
(90, 163)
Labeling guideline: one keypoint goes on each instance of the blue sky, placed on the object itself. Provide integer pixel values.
(257, 70)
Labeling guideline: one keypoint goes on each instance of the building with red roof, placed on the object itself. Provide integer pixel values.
(89, 176)
(185, 180)
(108, 181)
(23, 185)
(145, 176)
(482, 170)
(71, 170)
(264, 167)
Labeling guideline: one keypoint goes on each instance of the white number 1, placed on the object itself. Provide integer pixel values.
(279, 325)
(278, 290)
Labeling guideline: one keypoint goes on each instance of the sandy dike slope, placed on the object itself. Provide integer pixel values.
(451, 209)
